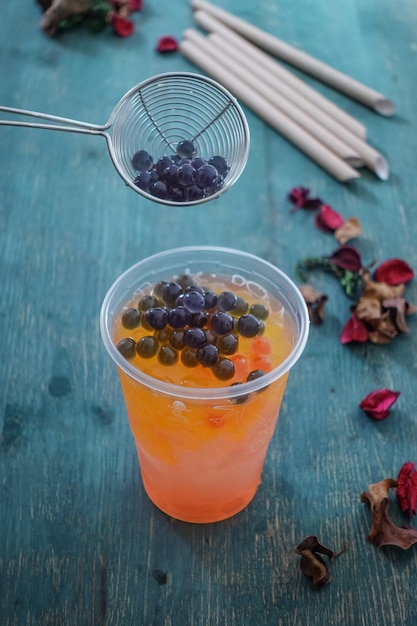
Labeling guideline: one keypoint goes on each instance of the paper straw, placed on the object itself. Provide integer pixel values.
(259, 78)
(282, 77)
(303, 140)
(226, 55)
(303, 61)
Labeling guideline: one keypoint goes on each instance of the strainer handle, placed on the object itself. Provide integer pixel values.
(72, 126)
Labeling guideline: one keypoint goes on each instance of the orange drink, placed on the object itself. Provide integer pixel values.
(203, 339)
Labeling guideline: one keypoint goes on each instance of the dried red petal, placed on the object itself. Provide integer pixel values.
(407, 488)
(393, 272)
(122, 26)
(299, 196)
(327, 219)
(378, 403)
(136, 5)
(354, 330)
(167, 44)
(347, 258)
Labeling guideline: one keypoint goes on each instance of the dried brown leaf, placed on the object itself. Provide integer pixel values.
(312, 564)
(380, 291)
(368, 308)
(399, 308)
(315, 303)
(383, 531)
(350, 228)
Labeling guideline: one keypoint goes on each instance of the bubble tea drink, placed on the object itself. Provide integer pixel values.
(203, 339)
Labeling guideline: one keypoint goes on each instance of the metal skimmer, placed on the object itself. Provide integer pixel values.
(155, 116)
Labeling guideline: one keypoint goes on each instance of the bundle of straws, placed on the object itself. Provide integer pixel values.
(243, 58)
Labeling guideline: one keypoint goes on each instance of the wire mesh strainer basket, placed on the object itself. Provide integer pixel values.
(158, 115)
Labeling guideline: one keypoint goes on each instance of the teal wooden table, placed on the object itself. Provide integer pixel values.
(80, 542)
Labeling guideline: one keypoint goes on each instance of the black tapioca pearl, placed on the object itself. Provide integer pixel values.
(239, 399)
(167, 355)
(226, 301)
(127, 348)
(221, 322)
(148, 302)
(224, 369)
(194, 337)
(189, 357)
(157, 317)
(170, 293)
(131, 318)
(248, 325)
(208, 355)
(228, 344)
(259, 310)
(147, 347)
(176, 339)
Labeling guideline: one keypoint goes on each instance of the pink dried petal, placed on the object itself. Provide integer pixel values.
(347, 258)
(327, 219)
(166, 44)
(136, 5)
(407, 489)
(122, 26)
(393, 272)
(378, 403)
(354, 330)
(299, 196)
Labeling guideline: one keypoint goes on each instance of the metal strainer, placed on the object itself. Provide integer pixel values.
(155, 116)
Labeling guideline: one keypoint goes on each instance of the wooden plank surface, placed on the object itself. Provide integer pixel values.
(80, 542)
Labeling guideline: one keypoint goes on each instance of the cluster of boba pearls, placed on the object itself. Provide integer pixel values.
(185, 321)
(182, 177)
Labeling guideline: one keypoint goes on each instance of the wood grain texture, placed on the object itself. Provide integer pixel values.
(80, 542)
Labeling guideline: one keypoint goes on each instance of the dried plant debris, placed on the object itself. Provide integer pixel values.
(407, 489)
(312, 564)
(377, 403)
(383, 531)
(380, 309)
(326, 218)
(315, 303)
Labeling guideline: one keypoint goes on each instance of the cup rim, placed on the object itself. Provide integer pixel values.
(202, 393)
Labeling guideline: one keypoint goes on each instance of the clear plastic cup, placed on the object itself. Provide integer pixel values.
(202, 443)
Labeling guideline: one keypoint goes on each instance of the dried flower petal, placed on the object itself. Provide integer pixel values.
(166, 44)
(393, 272)
(376, 337)
(346, 257)
(373, 289)
(384, 327)
(407, 489)
(136, 5)
(350, 228)
(354, 330)
(368, 309)
(383, 532)
(312, 564)
(299, 197)
(377, 404)
(315, 303)
(398, 309)
(122, 26)
(327, 219)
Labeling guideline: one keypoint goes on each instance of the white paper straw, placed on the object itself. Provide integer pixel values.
(327, 131)
(283, 77)
(303, 140)
(249, 73)
(305, 62)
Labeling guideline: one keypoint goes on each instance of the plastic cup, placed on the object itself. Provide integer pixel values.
(201, 449)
